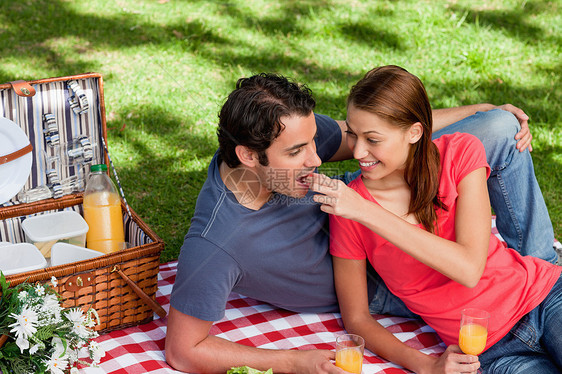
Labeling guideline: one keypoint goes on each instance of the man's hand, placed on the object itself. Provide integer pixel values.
(316, 361)
(524, 136)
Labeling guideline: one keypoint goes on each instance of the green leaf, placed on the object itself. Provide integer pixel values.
(247, 370)
(45, 332)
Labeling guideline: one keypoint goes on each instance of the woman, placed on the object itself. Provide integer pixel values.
(420, 214)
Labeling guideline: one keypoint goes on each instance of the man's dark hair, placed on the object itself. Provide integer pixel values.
(251, 116)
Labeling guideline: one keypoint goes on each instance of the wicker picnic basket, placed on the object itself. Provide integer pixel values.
(121, 286)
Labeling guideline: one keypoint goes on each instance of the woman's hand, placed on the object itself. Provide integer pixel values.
(453, 361)
(336, 198)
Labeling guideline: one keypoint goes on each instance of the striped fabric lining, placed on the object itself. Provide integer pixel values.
(53, 98)
(28, 113)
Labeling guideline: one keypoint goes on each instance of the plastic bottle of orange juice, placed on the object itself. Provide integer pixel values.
(102, 212)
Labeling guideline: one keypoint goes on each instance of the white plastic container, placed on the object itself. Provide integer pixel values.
(64, 253)
(47, 229)
(18, 258)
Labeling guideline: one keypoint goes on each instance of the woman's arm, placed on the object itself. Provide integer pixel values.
(462, 260)
(351, 288)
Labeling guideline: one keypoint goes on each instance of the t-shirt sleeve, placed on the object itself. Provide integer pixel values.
(345, 241)
(205, 277)
(466, 152)
(329, 137)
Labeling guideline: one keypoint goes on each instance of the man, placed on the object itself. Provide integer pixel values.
(257, 231)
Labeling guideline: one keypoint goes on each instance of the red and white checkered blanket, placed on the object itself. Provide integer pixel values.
(140, 349)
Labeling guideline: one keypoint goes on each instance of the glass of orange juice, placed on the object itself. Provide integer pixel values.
(349, 352)
(473, 331)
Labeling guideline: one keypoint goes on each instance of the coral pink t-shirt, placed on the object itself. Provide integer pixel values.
(510, 287)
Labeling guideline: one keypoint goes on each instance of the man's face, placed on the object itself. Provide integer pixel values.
(292, 157)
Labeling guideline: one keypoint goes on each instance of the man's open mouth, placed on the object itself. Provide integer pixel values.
(302, 180)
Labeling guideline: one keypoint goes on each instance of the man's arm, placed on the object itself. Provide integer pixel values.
(190, 348)
(447, 116)
(343, 153)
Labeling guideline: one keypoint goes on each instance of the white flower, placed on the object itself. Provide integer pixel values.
(39, 307)
(51, 305)
(76, 316)
(72, 355)
(40, 290)
(96, 352)
(33, 350)
(22, 295)
(54, 281)
(22, 343)
(51, 302)
(59, 346)
(24, 327)
(90, 322)
(56, 365)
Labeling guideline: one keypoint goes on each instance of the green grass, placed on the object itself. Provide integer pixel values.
(169, 65)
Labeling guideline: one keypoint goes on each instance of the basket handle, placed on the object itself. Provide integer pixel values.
(147, 299)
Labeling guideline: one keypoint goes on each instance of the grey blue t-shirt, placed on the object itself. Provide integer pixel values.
(277, 254)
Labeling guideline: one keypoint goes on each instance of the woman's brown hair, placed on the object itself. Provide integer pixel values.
(397, 96)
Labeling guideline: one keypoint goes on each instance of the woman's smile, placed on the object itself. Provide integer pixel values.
(368, 165)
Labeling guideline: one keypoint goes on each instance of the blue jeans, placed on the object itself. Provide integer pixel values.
(382, 300)
(521, 215)
(534, 344)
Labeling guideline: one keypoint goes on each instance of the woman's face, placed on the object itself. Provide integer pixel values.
(381, 148)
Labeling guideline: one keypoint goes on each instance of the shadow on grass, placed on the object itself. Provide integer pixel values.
(156, 187)
(54, 37)
(516, 21)
(533, 100)
(57, 38)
